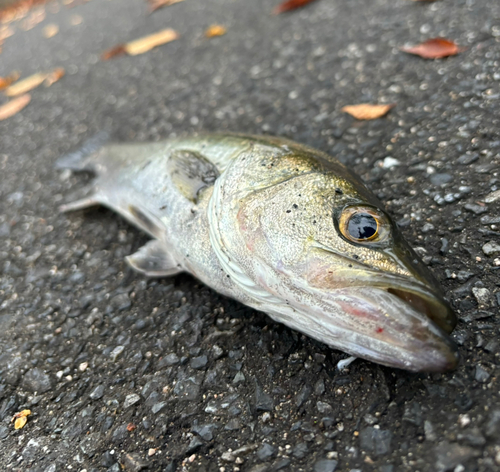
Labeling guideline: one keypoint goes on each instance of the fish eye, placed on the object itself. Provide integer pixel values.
(364, 224)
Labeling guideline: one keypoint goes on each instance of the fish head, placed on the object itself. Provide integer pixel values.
(323, 245)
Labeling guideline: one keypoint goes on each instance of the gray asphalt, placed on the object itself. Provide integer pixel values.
(125, 373)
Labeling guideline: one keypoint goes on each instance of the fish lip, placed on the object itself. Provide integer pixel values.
(417, 339)
(429, 301)
(414, 343)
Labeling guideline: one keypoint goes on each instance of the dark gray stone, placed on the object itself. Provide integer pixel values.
(263, 401)
(266, 452)
(36, 380)
(300, 450)
(194, 445)
(199, 362)
(205, 431)
(325, 465)
(303, 395)
(375, 441)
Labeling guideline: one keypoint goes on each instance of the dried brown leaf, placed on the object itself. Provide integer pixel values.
(215, 30)
(145, 44)
(6, 81)
(14, 106)
(434, 48)
(25, 85)
(156, 4)
(290, 5)
(113, 52)
(54, 76)
(367, 111)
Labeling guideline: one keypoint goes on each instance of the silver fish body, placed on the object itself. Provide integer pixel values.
(284, 229)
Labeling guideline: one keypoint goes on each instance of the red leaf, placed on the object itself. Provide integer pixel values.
(113, 52)
(288, 5)
(434, 48)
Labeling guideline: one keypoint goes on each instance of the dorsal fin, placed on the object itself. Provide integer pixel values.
(189, 171)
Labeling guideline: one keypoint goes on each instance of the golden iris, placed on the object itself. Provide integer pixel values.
(363, 224)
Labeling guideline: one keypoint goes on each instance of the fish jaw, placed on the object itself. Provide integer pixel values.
(384, 317)
(381, 327)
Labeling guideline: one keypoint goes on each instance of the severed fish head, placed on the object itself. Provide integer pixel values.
(311, 246)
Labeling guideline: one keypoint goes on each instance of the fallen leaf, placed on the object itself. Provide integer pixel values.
(54, 76)
(6, 81)
(21, 418)
(5, 32)
(367, 111)
(290, 5)
(434, 48)
(49, 31)
(113, 52)
(156, 4)
(215, 30)
(25, 85)
(131, 427)
(142, 45)
(20, 422)
(37, 16)
(14, 106)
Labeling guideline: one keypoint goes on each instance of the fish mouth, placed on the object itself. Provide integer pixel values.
(390, 319)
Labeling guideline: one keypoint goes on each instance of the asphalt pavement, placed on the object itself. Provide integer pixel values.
(125, 373)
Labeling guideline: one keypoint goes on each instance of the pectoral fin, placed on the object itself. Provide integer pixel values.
(190, 172)
(153, 260)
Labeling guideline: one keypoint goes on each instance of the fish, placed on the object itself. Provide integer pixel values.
(284, 229)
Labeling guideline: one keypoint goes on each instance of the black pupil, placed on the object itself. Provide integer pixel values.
(362, 226)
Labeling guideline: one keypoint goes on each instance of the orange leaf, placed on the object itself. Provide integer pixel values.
(131, 427)
(25, 85)
(142, 45)
(290, 5)
(6, 81)
(156, 4)
(21, 418)
(215, 30)
(367, 111)
(113, 52)
(14, 106)
(434, 48)
(54, 76)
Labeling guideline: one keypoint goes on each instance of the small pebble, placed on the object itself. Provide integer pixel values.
(482, 295)
(491, 248)
(130, 400)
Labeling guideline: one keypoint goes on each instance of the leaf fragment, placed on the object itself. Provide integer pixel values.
(131, 427)
(215, 30)
(14, 106)
(434, 48)
(145, 44)
(25, 85)
(21, 418)
(157, 4)
(367, 111)
(6, 81)
(289, 5)
(49, 31)
(118, 50)
(54, 76)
